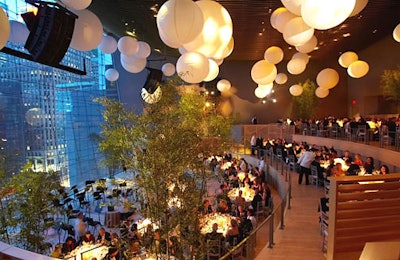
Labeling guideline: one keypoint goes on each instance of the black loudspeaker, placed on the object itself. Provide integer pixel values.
(154, 77)
(50, 34)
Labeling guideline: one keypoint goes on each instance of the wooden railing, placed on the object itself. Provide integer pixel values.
(362, 209)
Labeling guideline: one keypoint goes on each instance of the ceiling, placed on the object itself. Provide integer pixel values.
(252, 31)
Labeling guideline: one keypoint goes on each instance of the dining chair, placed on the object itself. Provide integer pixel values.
(213, 249)
(314, 175)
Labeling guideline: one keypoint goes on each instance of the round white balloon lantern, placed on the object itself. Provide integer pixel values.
(18, 32)
(275, 14)
(34, 117)
(144, 50)
(168, 69)
(296, 32)
(128, 45)
(359, 6)
(327, 78)
(192, 67)
(227, 51)
(301, 56)
(4, 28)
(309, 46)
(112, 74)
(213, 70)
(267, 87)
(133, 64)
(281, 78)
(273, 55)
(358, 69)
(293, 6)
(223, 85)
(172, 22)
(88, 31)
(296, 90)
(108, 44)
(321, 92)
(263, 72)
(261, 92)
(326, 14)
(347, 58)
(216, 32)
(396, 33)
(283, 18)
(296, 66)
(218, 61)
(77, 5)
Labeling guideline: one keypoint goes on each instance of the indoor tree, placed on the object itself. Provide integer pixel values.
(167, 145)
(305, 105)
(390, 84)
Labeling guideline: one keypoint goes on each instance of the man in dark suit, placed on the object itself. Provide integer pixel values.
(104, 237)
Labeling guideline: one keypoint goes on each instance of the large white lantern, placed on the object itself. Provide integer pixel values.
(267, 87)
(273, 54)
(108, 44)
(261, 92)
(128, 45)
(326, 14)
(34, 116)
(192, 67)
(227, 51)
(359, 6)
(358, 69)
(327, 78)
(179, 22)
(296, 90)
(223, 85)
(213, 70)
(77, 4)
(18, 32)
(144, 50)
(274, 16)
(301, 56)
(347, 58)
(396, 33)
(321, 92)
(133, 64)
(263, 72)
(112, 74)
(281, 78)
(216, 33)
(4, 28)
(296, 32)
(296, 66)
(309, 46)
(88, 31)
(293, 6)
(168, 69)
(282, 18)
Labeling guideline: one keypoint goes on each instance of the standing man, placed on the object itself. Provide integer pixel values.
(254, 120)
(253, 144)
(305, 161)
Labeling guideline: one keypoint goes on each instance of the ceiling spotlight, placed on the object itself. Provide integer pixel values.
(375, 31)
(274, 100)
(346, 35)
(263, 101)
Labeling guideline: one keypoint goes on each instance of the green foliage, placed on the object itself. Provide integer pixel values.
(305, 105)
(390, 84)
(166, 146)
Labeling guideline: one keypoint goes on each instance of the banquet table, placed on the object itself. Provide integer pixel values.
(88, 252)
(247, 193)
(207, 221)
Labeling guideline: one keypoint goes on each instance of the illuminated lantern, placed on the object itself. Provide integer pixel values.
(309, 46)
(296, 32)
(267, 87)
(144, 50)
(281, 78)
(301, 56)
(396, 33)
(227, 51)
(128, 45)
(327, 78)
(192, 67)
(263, 72)
(326, 14)
(273, 55)
(108, 44)
(282, 18)
(358, 69)
(34, 117)
(223, 85)
(275, 14)
(293, 6)
(4, 28)
(261, 92)
(18, 32)
(77, 5)
(213, 70)
(296, 66)
(88, 31)
(347, 58)
(112, 74)
(172, 22)
(133, 64)
(321, 92)
(168, 69)
(296, 90)
(359, 6)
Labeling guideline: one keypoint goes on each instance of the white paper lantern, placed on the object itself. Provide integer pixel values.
(144, 50)
(358, 69)
(261, 92)
(273, 55)
(296, 32)
(216, 32)
(326, 14)
(263, 72)
(108, 44)
(218, 61)
(77, 4)
(275, 14)
(133, 64)
(168, 69)
(182, 50)
(179, 22)
(88, 31)
(309, 46)
(223, 85)
(296, 66)
(281, 78)
(267, 87)
(282, 18)
(112, 74)
(294, 6)
(301, 56)
(4, 28)
(396, 33)
(296, 90)
(18, 32)
(327, 78)
(128, 45)
(192, 67)
(34, 117)
(359, 6)
(321, 92)
(347, 58)
(227, 51)
(213, 70)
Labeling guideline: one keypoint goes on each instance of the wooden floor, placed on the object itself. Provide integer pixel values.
(300, 239)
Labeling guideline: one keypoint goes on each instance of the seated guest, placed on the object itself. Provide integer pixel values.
(232, 234)
(384, 169)
(88, 238)
(205, 208)
(223, 206)
(114, 249)
(104, 237)
(69, 245)
(369, 165)
(346, 155)
(214, 234)
(239, 199)
(56, 253)
(358, 160)
(353, 168)
(330, 167)
(337, 171)
(252, 218)
(317, 163)
(256, 199)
